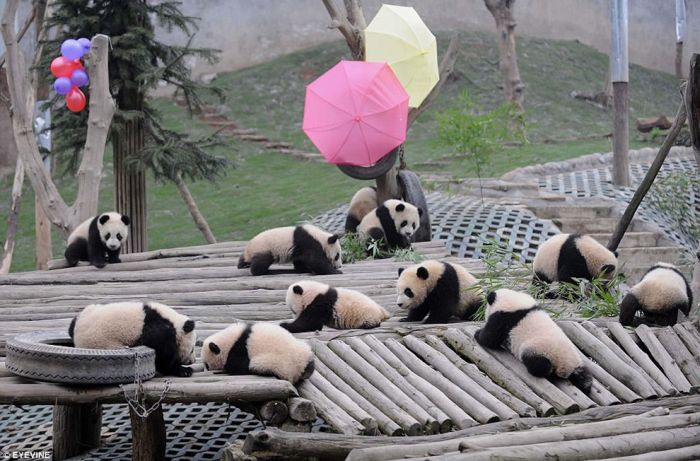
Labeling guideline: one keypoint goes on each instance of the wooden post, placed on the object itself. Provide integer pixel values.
(513, 87)
(680, 36)
(42, 226)
(648, 180)
(148, 436)
(76, 429)
(620, 76)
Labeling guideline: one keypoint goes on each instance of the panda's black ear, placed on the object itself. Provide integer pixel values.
(491, 298)
(104, 218)
(422, 272)
(332, 239)
(420, 211)
(617, 255)
(188, 326)
(400, 207)
(214, 348)
(297, 289)
(607, 269)
(401, 269)
(126, 220)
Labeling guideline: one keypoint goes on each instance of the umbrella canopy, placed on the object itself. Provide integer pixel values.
(398, 36)
(356, 113)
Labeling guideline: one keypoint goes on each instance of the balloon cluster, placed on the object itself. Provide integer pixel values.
(70, 73)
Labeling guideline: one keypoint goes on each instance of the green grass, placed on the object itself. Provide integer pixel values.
(269, 189)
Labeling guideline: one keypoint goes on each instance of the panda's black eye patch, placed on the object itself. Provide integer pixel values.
(408, 292)
(414, 225)
(119, 237)
(107, 236)
(337, 257)
(403, 223)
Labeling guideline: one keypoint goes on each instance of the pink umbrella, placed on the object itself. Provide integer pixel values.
(356, 112)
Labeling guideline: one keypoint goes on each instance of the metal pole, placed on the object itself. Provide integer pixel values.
(680, 36)
(619, 65)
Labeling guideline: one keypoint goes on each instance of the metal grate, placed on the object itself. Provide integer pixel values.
(194, 431)
(467, 225)
(598, 182)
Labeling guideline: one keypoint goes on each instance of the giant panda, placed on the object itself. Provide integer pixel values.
(515, 320)
(317, 304)
(98, 240)
(564, 257)
(662, 292)
(364, 201)
(394, 221)
(439, 290)
(308, 247)
(130, 324)
(263, 349)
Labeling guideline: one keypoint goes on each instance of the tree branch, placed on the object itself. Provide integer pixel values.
(355, 15)
(12, 218)
(23, 30)
(101, 112)
(447, 66)
(351, 32)
(197, 216)
(21, 111)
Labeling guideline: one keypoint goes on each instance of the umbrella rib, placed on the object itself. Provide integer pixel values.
(364, 141)
(347, 136)
(347, 82)
(410, 27)
(396, 37)
(342, 109)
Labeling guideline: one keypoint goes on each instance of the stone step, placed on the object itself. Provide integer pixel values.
(648, 256)
(567, 210)
(631, 239)
(592, 225)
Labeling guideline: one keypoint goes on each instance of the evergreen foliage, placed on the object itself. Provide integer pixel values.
(137, 62)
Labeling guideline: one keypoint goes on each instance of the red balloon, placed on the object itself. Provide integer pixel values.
(62, 67)
(75, 100)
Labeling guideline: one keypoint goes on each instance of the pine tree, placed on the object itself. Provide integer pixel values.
(137, 62)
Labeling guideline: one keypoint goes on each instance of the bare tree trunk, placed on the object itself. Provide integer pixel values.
(679, 60)
(42, 232)
(130, 185)
(513, 87)
(695, 285)
(12, 217)
(621, 163)
(197, 216)
(101, 112)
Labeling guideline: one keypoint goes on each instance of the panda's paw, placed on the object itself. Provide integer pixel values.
(477, 333)
(99, 264)
(183, 372)
(405, 319)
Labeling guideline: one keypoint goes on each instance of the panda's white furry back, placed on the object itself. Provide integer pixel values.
(514, 319)
(394, 222)
(362, 203)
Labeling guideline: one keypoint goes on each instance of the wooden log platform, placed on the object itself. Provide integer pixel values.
(398, 379)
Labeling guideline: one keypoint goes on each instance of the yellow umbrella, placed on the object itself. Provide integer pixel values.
(398, 36)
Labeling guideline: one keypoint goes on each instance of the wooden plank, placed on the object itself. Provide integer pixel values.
(332, 413)
(677, 350)
(662, 357)
(610, 383)
(690, 336)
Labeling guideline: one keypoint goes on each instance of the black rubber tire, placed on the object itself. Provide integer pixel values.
(413, 194)
(49, 356)
(372, 172)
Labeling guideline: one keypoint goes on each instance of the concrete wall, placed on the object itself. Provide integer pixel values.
(253, 31)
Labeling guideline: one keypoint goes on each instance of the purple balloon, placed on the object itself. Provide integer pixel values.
(79, 77)
(85, 43)
(62, 85)
(72, 49)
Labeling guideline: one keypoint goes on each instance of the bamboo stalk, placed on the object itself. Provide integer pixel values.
(468, 347)
(676, 349)
(640, 357)
(407, 422)
(482, 381)
(457, 377)
(376, 362)
(662, 357)
(610, 344)
(376, 377)
(332, 413)
(465, 401)
(607, 359)
(458, 416)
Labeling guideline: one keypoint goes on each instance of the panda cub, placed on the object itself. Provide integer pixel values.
(317, 304)
(515, 320)
(261, 348)
(308, 247)
(130, 324)
(394, 221)
(662, 292)
(98, 240)
(564, 257)
(364, 201)
(439, 290)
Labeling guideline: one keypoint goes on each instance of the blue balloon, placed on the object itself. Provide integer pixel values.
(72, 49)
(85, 43)
(79, 77)
(62, 85)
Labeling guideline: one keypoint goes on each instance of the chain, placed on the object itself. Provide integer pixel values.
(138, 401)
(402, 160)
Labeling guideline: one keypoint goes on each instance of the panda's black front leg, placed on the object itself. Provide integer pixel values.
(493, 334)
(416, 314)
(180, 370)
(113, 256)
(319, 265)
(97, 253)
